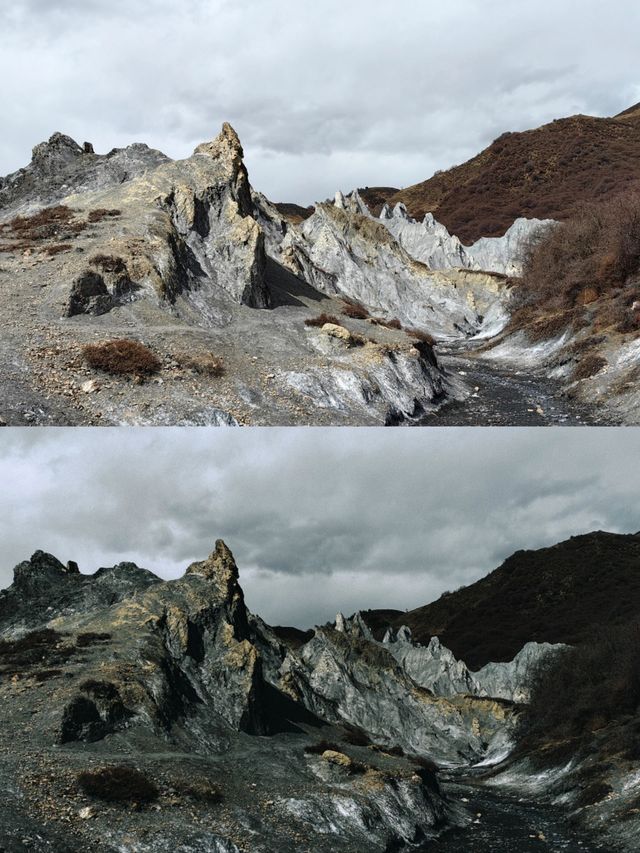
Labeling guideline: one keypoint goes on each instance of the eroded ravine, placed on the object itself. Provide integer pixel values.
(503, 397)
(503, 822)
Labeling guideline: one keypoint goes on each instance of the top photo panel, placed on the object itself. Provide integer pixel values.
(317, 216)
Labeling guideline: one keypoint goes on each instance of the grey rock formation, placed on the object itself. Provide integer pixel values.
(430, 242)
(344, 677)
(60, 167)
(436, 668)
(341, 251)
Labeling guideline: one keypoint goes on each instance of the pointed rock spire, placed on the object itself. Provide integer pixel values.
(220, 566)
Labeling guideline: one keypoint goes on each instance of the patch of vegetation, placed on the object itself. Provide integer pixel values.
(53, 222)
(422, 337)
(118, 785)
(592, 260)
(108, 263)
(57, 249)
(322, 746)
(589, 366)
(587, 697)
(42, 675)
(201, 790)
(103, 213)
(355, 310)
(425, 763)
(204, 364)
(593, 793)
(122, 358)
(387, 324)
(45, 645)
(321, 319)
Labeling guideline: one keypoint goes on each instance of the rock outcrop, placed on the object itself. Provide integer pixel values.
(341, 251)
(431, 243)
(436, 668)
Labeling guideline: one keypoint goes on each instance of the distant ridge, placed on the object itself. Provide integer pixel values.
(561, 594)
(543, 173)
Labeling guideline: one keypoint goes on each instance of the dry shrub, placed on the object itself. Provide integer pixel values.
(57, 249)
(103, 213)
(321, 319)
(118, 785)
(201, 790)
(586, 688)
(122, 358)
(204, 364)
(595, 252)
(423, 337)
(589, 366)
(51, 222)
(355, 310)
(388, 324)
(108, 263)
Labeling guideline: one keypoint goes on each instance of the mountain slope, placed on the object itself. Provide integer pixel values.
(543, 173)
(560, 594)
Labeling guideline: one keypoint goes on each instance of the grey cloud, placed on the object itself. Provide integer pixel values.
(319, 520)
(322, 94)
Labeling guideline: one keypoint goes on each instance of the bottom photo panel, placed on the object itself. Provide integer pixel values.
(320, 640)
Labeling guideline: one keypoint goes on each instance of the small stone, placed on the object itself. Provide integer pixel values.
(86, 813)
(91, 386)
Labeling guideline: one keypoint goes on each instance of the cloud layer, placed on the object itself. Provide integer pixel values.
(324, 95)
(319, 520)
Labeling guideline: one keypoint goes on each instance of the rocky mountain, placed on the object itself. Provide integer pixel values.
(145, 715)
(184, 257)
(562, 594)
(543, 173)
(244, 742)
(254, 314)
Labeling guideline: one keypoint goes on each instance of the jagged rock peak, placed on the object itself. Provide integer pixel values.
(226, 147)
(220, 566)
(41, 570)
(57, 151)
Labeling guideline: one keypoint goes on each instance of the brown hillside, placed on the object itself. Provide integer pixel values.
(541, 173)
(561, 594)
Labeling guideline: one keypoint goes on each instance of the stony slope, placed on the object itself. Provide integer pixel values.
(184, 257)
(542, 173)
(562, 594)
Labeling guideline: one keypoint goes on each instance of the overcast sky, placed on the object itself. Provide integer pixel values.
(319, 520)
(324, 94)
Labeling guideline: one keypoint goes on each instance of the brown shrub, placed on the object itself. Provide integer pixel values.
(200, 790)
(388, 324)
(423, 337)
(122, 358)
(591, 254)
(57, 249)
(90, 638)
(321, 319)
(108, 263)
(103, 213)
(51, 222)
(355, 311)
(118, 785)
(589, 366)
(205, 364)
